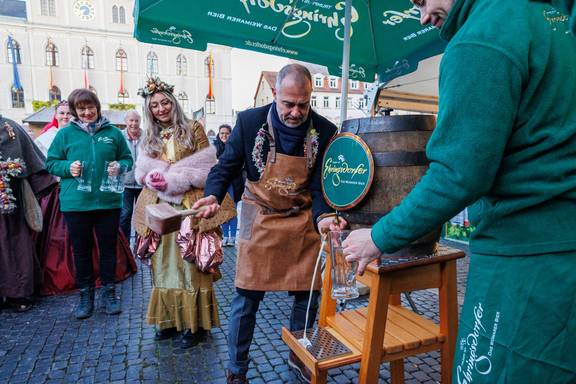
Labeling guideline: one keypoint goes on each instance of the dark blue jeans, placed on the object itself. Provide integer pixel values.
(130, 197)
(243, 321)
(81, 228)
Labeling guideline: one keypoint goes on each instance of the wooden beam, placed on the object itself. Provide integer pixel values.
(407, 101)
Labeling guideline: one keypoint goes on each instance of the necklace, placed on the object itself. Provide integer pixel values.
(166, 133)
(258, 156)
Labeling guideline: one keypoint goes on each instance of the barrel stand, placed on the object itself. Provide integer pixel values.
(384, 331)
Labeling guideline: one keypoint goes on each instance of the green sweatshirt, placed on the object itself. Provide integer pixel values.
(505, 136)
(72, 143)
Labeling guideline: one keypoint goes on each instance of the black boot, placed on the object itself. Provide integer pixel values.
(108, 300)
(85, 307)
(190, 339)
(163, 334)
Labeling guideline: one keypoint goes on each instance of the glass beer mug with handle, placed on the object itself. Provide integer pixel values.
(85, 178)
(343, 272)
(108, 181)
(118, 179)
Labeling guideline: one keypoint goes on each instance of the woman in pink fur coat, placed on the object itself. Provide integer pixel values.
(173, 165)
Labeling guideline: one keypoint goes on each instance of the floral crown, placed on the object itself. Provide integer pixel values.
(153, 85)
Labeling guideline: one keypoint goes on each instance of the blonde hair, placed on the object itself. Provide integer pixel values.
(152, 143)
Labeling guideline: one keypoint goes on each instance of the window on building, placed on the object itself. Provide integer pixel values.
(183, 100)
(115, 14)
(361, 103)
(333, 82)
(122, 15)
(17, 98)
(47, 8)
(123, 96)
(44, 7)
(211, 105)
(337, 105)
(54, 94)
(152, 64)
(326, 103)
(52, 55)
(354, 84)
(51, 8)
(313, 102)
(87, 58)
(181, 65)
(13, 48)
(207, 70)
(318, 81)
(121, 60)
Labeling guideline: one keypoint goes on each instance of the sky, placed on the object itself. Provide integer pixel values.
(246, 69)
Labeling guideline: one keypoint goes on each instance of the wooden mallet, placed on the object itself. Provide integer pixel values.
(163, 218)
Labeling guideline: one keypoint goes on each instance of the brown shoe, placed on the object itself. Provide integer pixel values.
(301, 371)
(236, 379)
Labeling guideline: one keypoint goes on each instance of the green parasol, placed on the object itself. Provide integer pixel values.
(386, 37)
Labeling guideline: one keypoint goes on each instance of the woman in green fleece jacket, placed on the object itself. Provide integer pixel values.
(91, 140)
(505, 139)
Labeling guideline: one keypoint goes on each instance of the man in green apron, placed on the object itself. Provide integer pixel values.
(280, 146)
(505, 142)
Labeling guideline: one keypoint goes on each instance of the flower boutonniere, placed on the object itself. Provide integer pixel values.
(8, 169)
(257, 156)
(312, 138)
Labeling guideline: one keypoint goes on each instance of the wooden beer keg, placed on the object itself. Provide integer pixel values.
(398, 147)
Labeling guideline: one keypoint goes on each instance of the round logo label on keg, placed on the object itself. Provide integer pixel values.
(347, 171)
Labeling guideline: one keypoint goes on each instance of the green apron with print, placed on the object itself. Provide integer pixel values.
(518, 322)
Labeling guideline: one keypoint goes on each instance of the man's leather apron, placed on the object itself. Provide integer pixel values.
(278, 244)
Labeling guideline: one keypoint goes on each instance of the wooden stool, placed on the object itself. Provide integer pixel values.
(386, 331)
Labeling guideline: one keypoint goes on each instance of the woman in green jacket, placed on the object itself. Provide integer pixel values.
(81, 149)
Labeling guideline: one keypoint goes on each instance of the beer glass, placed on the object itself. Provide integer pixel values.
(343, 272)
(107, 184)
(85, 177)
(118, 179)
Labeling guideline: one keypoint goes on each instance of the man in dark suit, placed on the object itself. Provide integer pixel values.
(281, 147)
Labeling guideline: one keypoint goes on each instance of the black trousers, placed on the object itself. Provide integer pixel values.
(81, 227)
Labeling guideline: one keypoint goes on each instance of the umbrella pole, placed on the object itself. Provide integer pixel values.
(345, 63)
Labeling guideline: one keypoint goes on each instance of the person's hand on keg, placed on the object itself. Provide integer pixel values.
(359, 247)
(331, 222)
(210, 207)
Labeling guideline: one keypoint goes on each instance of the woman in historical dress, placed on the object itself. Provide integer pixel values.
(53, 245)
(174, 161)
(22, 179)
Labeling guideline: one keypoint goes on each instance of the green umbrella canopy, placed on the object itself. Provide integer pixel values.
(386, 35)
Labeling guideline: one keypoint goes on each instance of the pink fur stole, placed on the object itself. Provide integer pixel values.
(185, 174)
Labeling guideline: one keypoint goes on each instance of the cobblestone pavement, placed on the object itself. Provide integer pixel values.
(47, 345)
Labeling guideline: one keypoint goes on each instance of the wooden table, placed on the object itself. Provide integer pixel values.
(384, 331)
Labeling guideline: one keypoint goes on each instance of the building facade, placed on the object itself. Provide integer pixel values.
(326, 94)
(61, 45)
